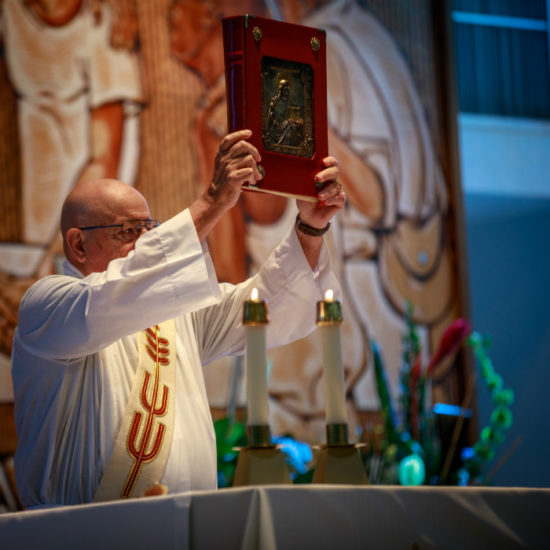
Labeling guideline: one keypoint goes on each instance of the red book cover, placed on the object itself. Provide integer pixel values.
(276, 85)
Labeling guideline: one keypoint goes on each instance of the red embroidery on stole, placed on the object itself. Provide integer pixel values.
(144, 452)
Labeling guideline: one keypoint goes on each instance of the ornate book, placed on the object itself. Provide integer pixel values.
(276, 86)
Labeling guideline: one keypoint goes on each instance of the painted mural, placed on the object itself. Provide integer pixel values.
(134, 89)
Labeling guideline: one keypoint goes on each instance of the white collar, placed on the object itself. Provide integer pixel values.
(70, 269)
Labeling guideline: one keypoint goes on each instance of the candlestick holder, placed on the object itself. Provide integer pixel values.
(339, 461)
(329, 312)
(255, 312)
(261, 462)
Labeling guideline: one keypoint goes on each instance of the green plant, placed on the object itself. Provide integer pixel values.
(493, 434)
(412, 431)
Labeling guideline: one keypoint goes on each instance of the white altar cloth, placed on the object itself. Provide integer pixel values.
(294, 517)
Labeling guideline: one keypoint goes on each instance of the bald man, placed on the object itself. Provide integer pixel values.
(107, 358)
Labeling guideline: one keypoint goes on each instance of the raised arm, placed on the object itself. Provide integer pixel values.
(235, 165)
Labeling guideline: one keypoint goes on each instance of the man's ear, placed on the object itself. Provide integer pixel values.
(75, 245)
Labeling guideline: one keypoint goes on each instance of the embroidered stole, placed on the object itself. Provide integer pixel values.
(144, 438)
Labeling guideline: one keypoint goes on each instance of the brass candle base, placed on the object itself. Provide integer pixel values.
(261, 463)
(337, 434)
(338, 461)
(259, 435)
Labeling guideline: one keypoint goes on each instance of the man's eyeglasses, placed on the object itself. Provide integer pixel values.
(128, 230)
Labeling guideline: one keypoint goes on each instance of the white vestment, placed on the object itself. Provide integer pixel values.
(75, 354)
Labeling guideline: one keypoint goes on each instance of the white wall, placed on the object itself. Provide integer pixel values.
(505, 156)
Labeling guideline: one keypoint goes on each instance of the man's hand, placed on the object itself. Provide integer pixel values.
(234, 166)
(331, 198)
(317, 215)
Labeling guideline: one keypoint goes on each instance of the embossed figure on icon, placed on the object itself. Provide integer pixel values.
(284, 121)
(287, 90)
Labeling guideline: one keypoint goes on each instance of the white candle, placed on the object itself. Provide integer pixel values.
(329, 317)
(255, 320)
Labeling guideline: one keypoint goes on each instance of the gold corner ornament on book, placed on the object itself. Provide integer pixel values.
(143, 442)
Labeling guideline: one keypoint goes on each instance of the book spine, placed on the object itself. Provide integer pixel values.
(234, 51)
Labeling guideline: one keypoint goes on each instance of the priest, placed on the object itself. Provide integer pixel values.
(109, 395)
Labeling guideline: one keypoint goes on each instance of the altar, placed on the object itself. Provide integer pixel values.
(298, 516)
